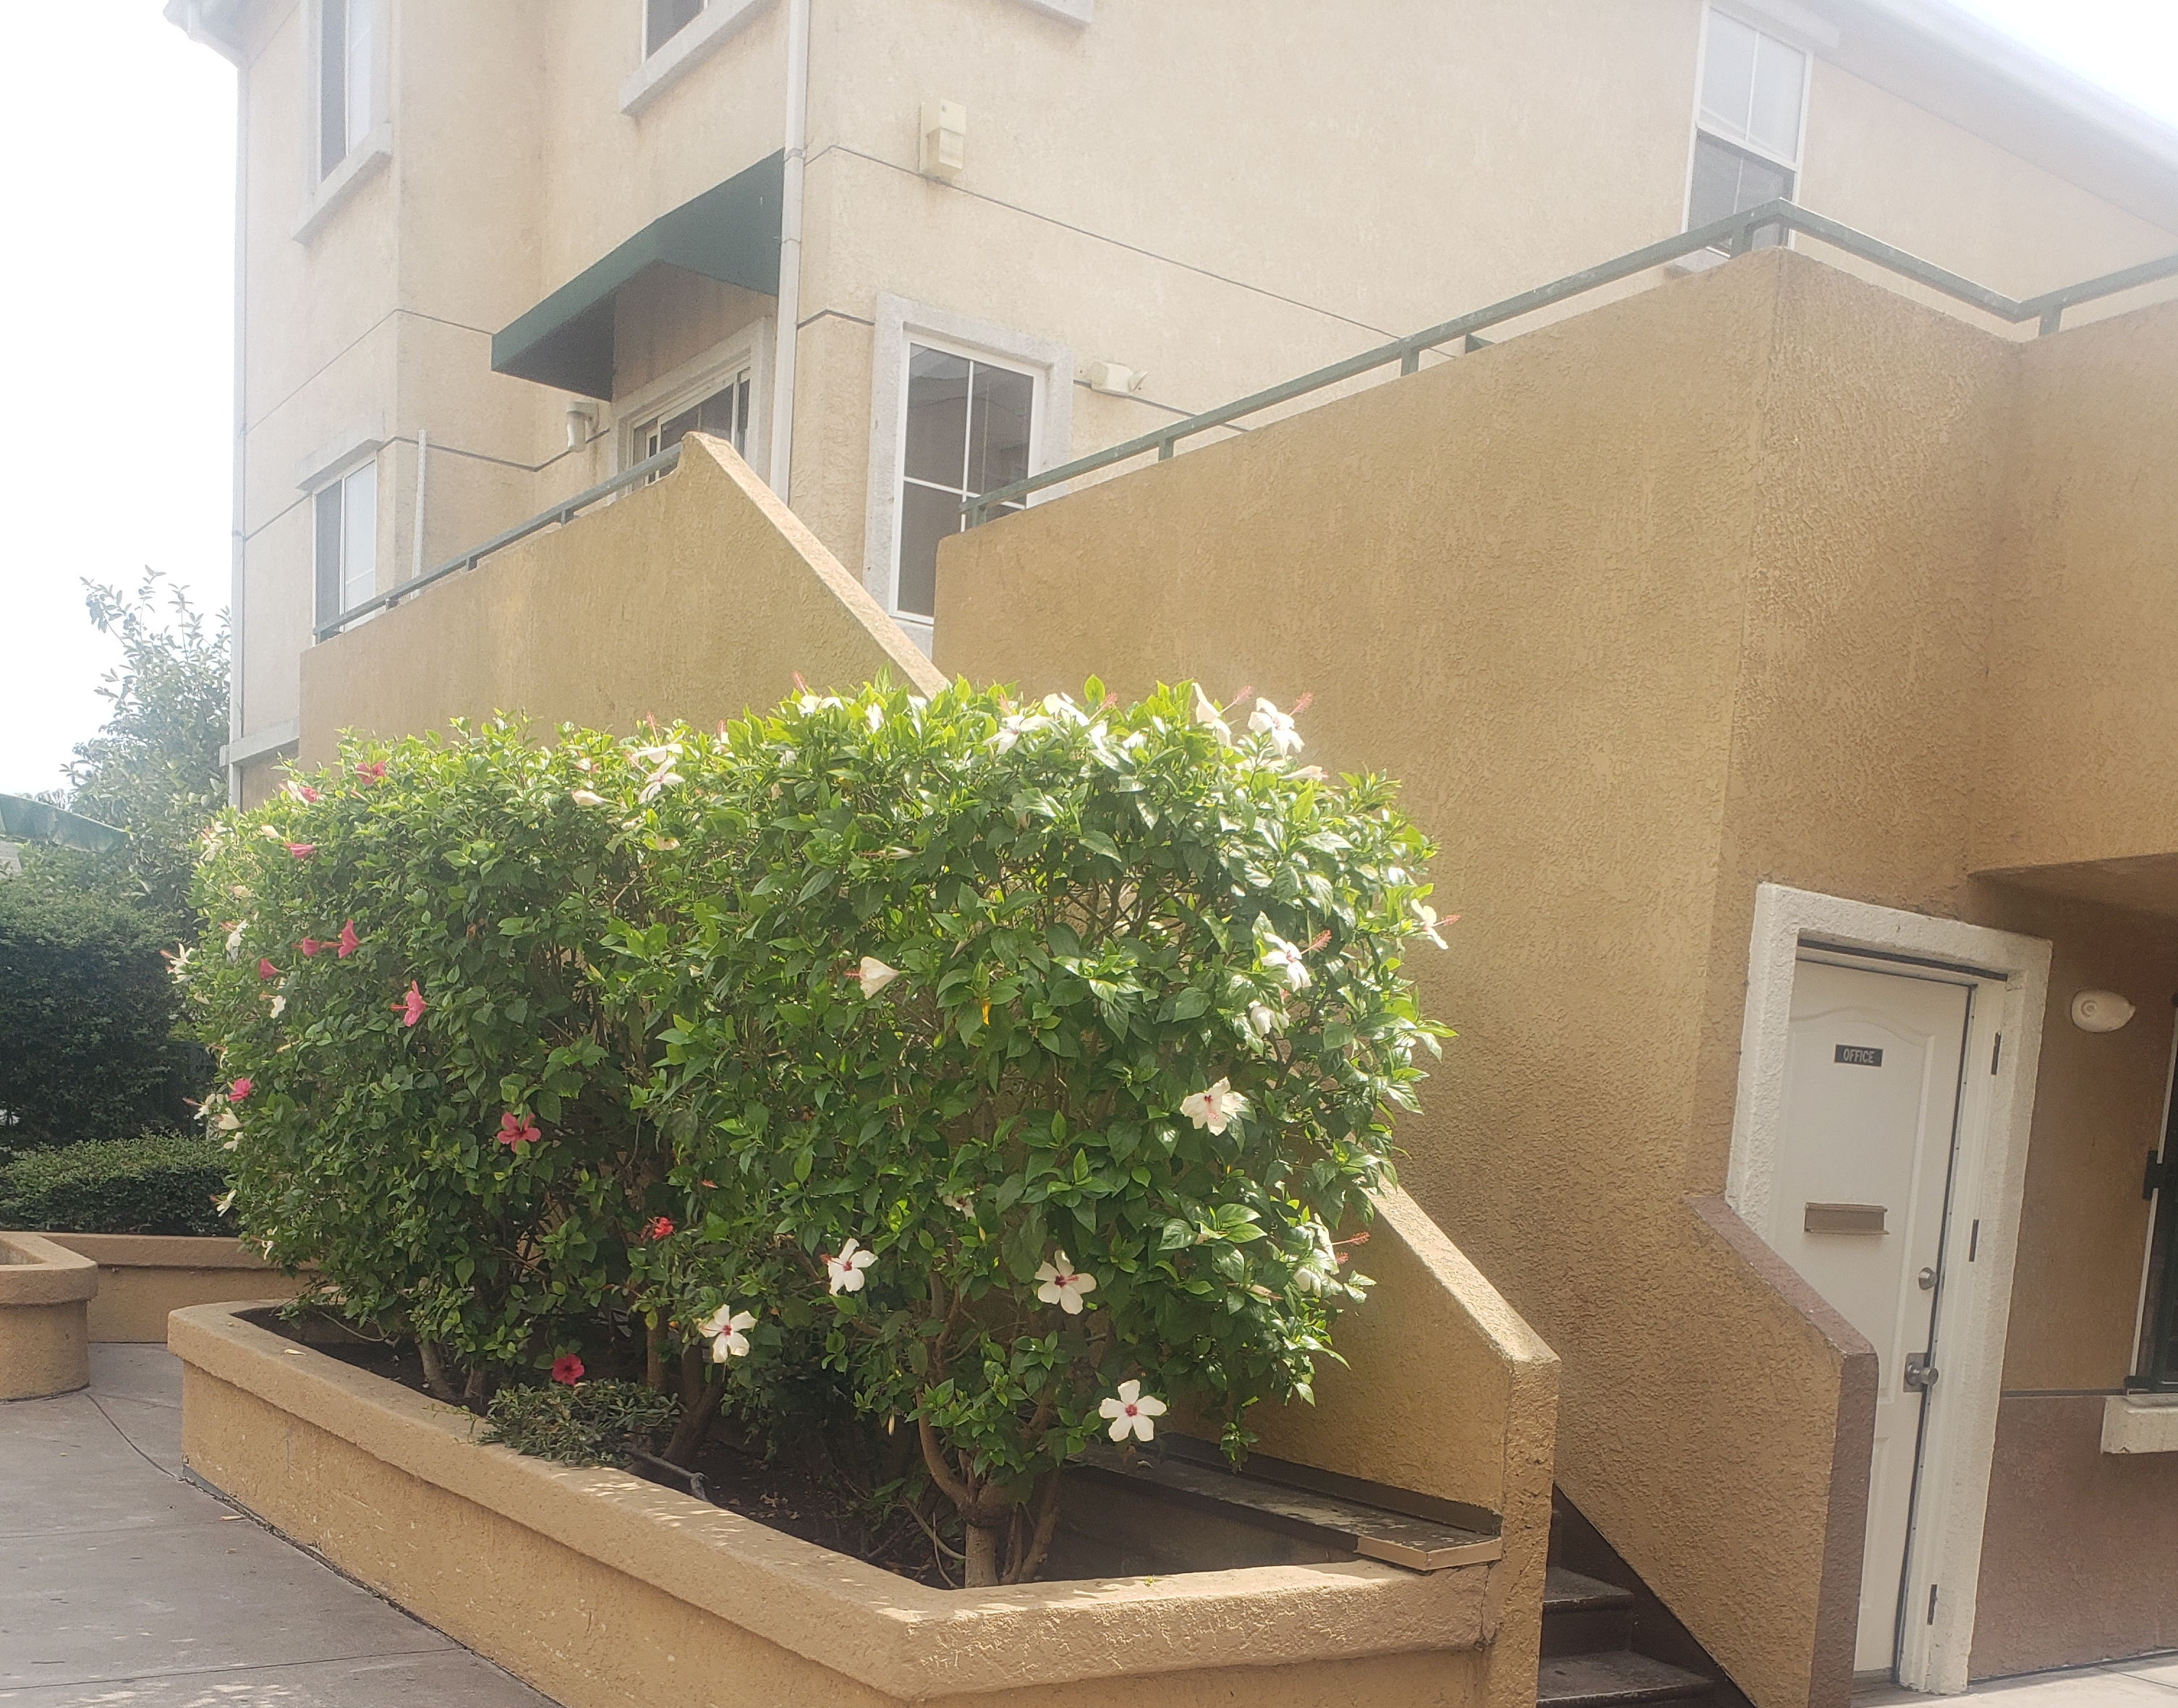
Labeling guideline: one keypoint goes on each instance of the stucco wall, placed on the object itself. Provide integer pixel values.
(1698, 591)
(2080, 766)
(696, 597)
(1334, 188)
(1519, 584)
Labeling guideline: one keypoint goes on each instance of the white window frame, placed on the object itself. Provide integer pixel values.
(656, 73)
(1981, 1241)
(900, 324)
(693, 380)
(1764, 20)
(324, 193)
(336, 474)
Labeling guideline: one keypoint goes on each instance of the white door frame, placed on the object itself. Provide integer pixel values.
(1980, 1242)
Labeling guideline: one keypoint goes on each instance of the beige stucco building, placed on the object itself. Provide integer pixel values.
(1744, 633)
(491, 253)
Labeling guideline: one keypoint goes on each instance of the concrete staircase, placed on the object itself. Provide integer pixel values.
(1588, 1660)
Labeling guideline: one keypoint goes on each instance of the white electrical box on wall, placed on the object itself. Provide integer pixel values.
(944, 151)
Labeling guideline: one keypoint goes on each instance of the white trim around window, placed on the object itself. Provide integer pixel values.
(679, 54)
(369, 133)
(749, 351)
(900, 326)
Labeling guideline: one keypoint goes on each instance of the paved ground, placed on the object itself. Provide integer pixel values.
(2120, 1685)
(123, 1586)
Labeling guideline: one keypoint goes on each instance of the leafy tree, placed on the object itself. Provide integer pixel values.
(85, 1003)
(154, 768)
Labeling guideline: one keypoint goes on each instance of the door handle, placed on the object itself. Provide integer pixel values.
(1919, 1373)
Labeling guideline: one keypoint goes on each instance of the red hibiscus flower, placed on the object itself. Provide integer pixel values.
(265, 968)
(567, 1369)
(309, 946)
(516, 1130)
(347, 940)
(660, 1228)
(239, 1090)
(372, 770)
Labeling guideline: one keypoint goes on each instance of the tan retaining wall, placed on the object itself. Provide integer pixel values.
(141, 1276)
(44, 1348)
(600, 1589)
(697, 597)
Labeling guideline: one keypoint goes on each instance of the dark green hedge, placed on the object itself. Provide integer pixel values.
(155, 1183)
(87, 1015)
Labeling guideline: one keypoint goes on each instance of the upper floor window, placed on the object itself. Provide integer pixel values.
(663, 20)
(968, 429)
(346, 55)
(1748, 127)
(346, 541)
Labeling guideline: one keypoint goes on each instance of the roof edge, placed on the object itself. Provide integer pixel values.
(1964, 69)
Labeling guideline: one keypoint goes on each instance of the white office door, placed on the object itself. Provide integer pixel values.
(1871, 1103)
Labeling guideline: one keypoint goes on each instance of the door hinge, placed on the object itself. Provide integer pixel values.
(2158, 1176)
(1919, 1373)
(1932, 1604)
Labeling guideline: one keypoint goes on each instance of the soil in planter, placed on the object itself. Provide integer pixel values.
(737, 1474)
(1103, 1532)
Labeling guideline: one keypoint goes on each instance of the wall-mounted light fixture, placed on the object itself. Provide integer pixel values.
(1113, 379)
(2100, 1011)
(943, 153)
(582, 422)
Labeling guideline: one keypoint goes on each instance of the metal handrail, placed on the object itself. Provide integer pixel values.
(1735, 235)
(565, 511)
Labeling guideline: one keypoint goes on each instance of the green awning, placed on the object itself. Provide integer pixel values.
(729, 232)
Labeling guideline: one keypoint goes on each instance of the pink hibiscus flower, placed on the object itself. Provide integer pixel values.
(516, 1130)
(567, 1369)
(301, 850)
(265, 968)
(347, 940)
(239, 1090)
(411, 1006)
(309, 946)
(372, 770)
(660, 1228)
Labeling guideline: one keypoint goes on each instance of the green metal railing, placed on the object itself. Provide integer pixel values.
(649, 469)
(1735, 235)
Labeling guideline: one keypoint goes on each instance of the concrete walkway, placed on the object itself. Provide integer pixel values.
(2152, 1683)
(122, 1584)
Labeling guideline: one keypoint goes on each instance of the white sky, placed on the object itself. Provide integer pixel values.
(115, 283)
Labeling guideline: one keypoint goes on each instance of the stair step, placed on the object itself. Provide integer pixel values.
(1608, 1679)
(1582, 1616)
(1563, 1589)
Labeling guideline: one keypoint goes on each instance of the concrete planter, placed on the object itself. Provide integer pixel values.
(45, 1346)
(599, 1588)
(142, 1277)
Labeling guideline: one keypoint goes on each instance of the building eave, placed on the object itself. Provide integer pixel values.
(210, 22)
(1954, 65)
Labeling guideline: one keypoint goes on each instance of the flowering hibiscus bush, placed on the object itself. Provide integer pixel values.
(1020, 1064)
(1011, 1074)
(425, 1090)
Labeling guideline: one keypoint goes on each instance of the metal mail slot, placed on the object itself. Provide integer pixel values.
(1845, 1219)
